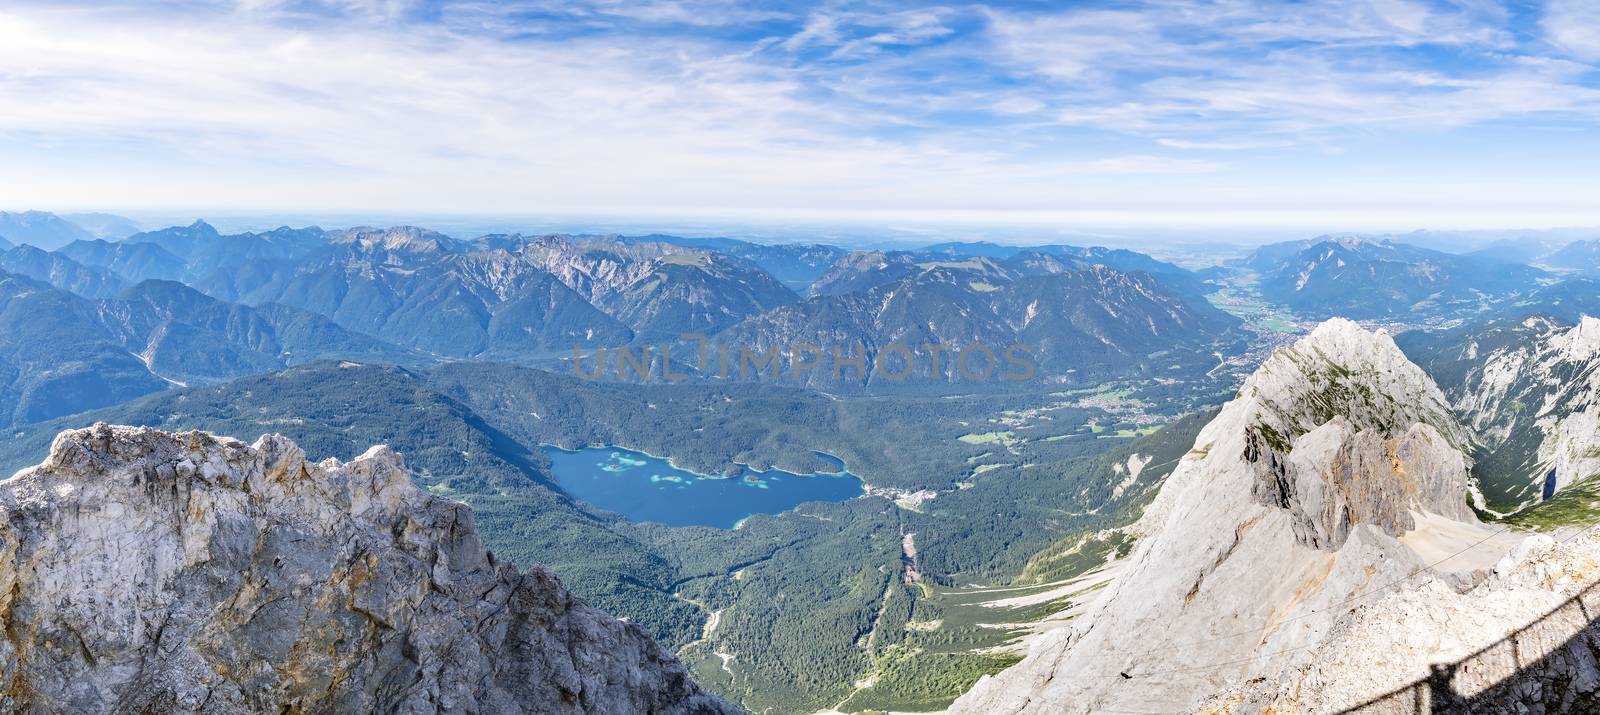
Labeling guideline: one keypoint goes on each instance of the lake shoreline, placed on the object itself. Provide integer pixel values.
(844, 468)
(643, 487)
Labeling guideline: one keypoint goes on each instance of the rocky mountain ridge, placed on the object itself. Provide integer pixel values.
(1340, 465)
(39, 228)
(1530, 391)
(1077, 322)
(93, 353)
(148, 571)
(1362, 278)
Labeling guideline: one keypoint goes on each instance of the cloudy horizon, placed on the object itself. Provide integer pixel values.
(1389, 115)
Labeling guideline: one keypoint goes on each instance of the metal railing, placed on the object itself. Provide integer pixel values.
(1551, 661)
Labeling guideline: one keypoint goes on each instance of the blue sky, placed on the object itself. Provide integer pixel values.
(1391, 114)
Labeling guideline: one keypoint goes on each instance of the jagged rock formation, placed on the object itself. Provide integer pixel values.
(1337, 471)
(143, 571)
(1346, 431)
(1530, 391)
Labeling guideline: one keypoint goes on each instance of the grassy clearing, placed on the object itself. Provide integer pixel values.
(1004, 439)
(950, 642)
(1073, 556)
(1576, 505)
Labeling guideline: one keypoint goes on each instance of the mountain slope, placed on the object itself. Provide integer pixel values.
(694, 293)
(206, 252)
(90, 354)
(185, 335)
(1567, 301)
(861, 271)
(1101, 316)
(509, 297)
(1530, 390)
(1361, 278)
(61, 271)
(397, 240)
(1582, 256)
(62, 365)
(1078, 325)
(659, 290)
(1338, 464)
(480, 304)
(1079, 257)
(40, 229)
(796, 265)
(134, 262)
(103, 225)
(288, 586)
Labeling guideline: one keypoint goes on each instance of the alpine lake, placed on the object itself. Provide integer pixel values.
(645, 488)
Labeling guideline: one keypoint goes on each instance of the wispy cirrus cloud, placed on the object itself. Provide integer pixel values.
(796, 106)
(1574, 26)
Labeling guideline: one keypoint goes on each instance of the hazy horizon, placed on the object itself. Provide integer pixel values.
(861, 234)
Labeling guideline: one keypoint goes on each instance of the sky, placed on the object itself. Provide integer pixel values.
(1388, 114)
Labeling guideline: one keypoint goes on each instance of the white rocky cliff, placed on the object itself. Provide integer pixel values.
(143, 571)
(1336, 472)
(1537, 397)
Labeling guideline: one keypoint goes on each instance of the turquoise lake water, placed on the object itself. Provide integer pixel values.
(644, 488)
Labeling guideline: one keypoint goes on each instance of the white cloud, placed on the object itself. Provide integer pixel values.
(1574, 25)
(1294, 70)
(946, 109)
(1219, 145)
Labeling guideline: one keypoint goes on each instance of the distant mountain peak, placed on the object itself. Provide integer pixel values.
(40, 228)
(1363, 277)
(1354, 241)
(396, 239)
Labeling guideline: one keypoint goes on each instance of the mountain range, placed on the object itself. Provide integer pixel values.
(1016, 548)
(1080, 321)
(1364, 279)
(59, 270)
(1580, 256)
(157, 334)
(40, 229)
(1086, 312)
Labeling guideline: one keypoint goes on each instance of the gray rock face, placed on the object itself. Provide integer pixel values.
(1335, 472)
(1338, 476)
(143, 571)
(1346, 432)
(1537, 402)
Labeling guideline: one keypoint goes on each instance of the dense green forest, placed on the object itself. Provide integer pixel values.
(809, 603)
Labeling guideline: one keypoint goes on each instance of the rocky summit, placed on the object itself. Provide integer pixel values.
(146, 571)
(1320, 508)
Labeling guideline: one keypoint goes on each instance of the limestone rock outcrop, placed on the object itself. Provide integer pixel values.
(145, 571)
(1337, 471)
(1531, 393)
(1542, 593)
